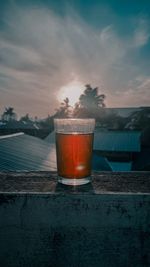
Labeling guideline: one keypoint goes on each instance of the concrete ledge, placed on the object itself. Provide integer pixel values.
(102, 182)
(105, 223)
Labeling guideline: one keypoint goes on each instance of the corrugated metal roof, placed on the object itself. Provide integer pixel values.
(25, 153)
(120, 166)
(50, 138)
(21, 152)
(125, 141)
(100, 163)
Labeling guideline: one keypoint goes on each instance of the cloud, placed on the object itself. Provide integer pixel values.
(137, 93)
(141, 34)
(40, 52)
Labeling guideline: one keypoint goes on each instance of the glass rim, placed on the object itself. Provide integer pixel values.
(74, 125)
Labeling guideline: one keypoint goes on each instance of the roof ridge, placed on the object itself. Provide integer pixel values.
(11, 135)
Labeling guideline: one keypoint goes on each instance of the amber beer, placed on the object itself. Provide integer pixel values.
(74, 142)
(74, 154)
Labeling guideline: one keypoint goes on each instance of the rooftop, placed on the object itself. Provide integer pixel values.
(120, 141)
(22, 152)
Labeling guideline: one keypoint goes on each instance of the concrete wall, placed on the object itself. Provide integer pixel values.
(69, 229)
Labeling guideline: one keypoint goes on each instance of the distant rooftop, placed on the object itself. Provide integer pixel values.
(125, 111)
(18, 125)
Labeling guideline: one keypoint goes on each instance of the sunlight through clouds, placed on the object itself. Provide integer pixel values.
(39, 51)
(72, 90)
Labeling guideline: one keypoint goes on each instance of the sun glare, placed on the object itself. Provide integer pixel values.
(72, 90)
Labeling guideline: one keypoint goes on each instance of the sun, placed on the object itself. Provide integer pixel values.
(72, 90)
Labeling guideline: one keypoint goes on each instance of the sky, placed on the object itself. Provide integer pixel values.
(50, 50)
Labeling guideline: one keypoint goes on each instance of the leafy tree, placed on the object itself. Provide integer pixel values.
(90, 104)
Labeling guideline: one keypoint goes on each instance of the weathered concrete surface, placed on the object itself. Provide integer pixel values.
(105, 223)
(102, 182)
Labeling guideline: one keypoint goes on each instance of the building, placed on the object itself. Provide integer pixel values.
(120, 148)
(112, 151)
(28, 127)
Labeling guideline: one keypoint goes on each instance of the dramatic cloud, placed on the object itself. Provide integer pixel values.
(41, 52)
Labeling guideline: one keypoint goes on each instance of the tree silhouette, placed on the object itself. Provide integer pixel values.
(64, 110)
(25, 118)
(9, 114)
(91, 98)
(140, 119)
(90, 103)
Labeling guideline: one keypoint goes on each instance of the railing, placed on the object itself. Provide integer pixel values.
(104, 223)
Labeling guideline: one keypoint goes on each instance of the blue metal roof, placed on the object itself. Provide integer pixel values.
(125, 141)
(100, 163)
(22, 152)
(50, 138)
(120, 166)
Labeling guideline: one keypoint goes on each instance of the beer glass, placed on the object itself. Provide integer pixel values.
(74, 144)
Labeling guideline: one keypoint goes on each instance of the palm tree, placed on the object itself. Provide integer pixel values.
(90, 103)
(91, 98)
(9, 114)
